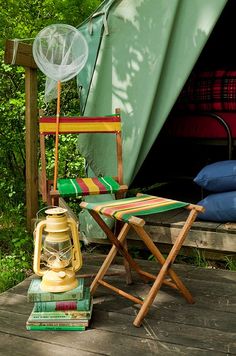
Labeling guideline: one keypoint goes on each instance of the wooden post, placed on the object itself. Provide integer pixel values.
(31, 144)
(24, 57)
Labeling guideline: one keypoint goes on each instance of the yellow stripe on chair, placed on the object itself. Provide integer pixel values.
(80, 125)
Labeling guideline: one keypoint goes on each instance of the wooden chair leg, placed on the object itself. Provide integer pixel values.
(166, 264)
(128, 275)
(116, 242)
(54, 198)
(108, 260)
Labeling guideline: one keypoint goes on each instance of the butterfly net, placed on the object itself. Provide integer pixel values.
(60, 52)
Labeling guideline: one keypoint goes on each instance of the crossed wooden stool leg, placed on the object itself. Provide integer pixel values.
(127, 210)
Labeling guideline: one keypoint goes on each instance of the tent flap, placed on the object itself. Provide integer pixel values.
(92, 29)
(141, 67)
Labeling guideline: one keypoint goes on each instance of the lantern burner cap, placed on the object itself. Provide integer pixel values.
(56, 211)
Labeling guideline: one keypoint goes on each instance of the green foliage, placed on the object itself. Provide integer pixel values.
(23, 20)
(11, 272)
(71, 163)
(230, 263)
(16, 248)
(12, 129)
(199, 258)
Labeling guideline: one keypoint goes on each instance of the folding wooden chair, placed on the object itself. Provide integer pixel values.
(76, 187)
(80, 187)
(127, 211)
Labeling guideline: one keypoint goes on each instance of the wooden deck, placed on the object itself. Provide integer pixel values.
(172, 327)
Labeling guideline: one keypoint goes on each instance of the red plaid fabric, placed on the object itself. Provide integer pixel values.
(209, 91)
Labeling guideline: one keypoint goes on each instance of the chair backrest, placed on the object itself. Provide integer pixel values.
(76, 125)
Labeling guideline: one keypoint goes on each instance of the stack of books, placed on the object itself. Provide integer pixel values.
(69, 310)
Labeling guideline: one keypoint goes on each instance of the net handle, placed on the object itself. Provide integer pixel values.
(57, 134)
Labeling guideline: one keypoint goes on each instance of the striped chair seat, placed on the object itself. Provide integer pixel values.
(144, 204)
(76, 187)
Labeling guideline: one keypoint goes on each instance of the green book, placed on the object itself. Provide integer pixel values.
(36, 294)
(61, 315)
(79, 305)
(57, 328)
(58, 322)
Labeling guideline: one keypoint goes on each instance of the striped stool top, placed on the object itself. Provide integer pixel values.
(87, 186)
(124, 209)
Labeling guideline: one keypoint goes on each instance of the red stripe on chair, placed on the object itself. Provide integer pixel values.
(80, 119)
(83, 186)
(144, 202)
(101, 187)
(124, 209)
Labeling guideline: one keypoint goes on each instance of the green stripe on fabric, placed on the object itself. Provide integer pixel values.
(111, 185)
(91, 206)
(146, 210)
(158, 210)
(68, 188)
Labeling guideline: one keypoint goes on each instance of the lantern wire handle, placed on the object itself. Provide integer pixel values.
(40, 210)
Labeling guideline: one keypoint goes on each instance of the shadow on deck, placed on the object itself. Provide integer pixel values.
(171, 327)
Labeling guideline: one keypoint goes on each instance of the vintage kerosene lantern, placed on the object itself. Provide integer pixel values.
(57, 248)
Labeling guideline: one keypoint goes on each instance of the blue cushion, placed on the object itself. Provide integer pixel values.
(219, 207)
(218, 177)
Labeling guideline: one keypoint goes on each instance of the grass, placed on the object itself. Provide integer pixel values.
(197, 259)
(16, 251)
(12, 272)
(230, 263)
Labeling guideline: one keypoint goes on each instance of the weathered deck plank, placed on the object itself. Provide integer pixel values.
(171, 327)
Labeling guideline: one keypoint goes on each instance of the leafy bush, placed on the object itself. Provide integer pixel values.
(12, 130)
(12, 271)
(24, 20)
(16, 248)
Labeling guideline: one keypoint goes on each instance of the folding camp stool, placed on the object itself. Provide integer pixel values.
(127, 210)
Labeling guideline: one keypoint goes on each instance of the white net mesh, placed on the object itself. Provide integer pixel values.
(60, 51)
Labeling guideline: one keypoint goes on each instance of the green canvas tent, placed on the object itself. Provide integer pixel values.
(141, 53)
